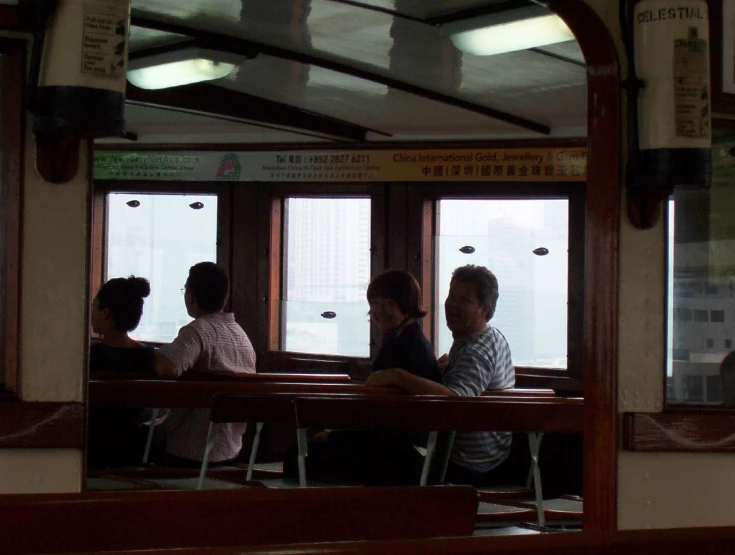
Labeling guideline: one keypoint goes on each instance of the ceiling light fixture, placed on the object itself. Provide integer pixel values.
(180, 67)
(508, 31)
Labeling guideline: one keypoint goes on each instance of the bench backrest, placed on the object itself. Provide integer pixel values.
(190, 394)
(440, 414)
(71, 523)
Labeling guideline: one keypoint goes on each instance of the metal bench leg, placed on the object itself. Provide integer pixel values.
(151, 430)
(430, 448)
(303, 452)
(445, 461)
(529, 478)
(534, 441)
(211, 435)
(254, 450)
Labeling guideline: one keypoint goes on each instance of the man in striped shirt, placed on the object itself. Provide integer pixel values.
(479, 360)
(213, 342)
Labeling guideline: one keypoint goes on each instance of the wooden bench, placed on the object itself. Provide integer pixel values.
(437, 414)
(258, 409)
(93, 522)
(200, 394)
(681, 541)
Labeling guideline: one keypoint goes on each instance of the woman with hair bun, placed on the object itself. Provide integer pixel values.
(117, 436)
(116, 311)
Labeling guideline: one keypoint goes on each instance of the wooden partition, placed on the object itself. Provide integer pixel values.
(691, 541)
(94, 522)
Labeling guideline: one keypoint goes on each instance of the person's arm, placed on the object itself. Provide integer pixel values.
(405, 380)
(163, 367)
(174, 359)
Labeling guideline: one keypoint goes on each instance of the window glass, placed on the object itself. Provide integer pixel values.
(701, 282)
(525, 244)
(159, 237)
(325, 276)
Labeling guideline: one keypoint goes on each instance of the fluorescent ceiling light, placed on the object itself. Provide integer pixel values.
(180, 67)
(508, 31)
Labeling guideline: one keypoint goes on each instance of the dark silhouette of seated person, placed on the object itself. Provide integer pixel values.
(116, 436)
(384, 457)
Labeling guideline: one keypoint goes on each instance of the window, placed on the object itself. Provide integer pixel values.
(701, 316)
(159, 237)
(326, 270)
(525, 243)
(701, 280)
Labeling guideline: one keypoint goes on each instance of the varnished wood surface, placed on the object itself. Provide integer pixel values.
(12, 77)
(439, 413)
(190, 394)
(602, 238)
(693, 432)
(41, 425)
(95, 522)
(230, 377)
(686, 541)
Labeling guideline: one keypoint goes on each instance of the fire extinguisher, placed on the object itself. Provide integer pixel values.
(670, 105)
(79, 68)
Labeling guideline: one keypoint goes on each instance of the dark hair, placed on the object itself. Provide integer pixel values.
(401, 288)
(485, 282)
(209, 285)
(123, 297)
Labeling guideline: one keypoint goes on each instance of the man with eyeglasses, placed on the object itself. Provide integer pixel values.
(213, 342)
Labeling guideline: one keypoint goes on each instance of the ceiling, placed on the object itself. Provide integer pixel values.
(346, 70)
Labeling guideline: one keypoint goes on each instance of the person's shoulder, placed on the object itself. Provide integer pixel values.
(486, 342)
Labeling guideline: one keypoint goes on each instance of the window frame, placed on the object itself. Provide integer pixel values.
(102, 188)
(271, 237)
(424, 207)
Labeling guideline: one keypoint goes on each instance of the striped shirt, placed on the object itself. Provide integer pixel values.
(475, 364)
(211, 343)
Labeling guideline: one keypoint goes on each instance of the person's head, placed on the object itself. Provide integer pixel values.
(118, 304)
(206, 289)
(394, 296)
(727, 376)
(473, 294)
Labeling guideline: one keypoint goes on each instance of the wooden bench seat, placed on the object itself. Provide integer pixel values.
(94, 522)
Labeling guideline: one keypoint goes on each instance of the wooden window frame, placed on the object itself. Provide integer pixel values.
(99, 219)
(270, 272)
(12, 79)
(423, 205)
